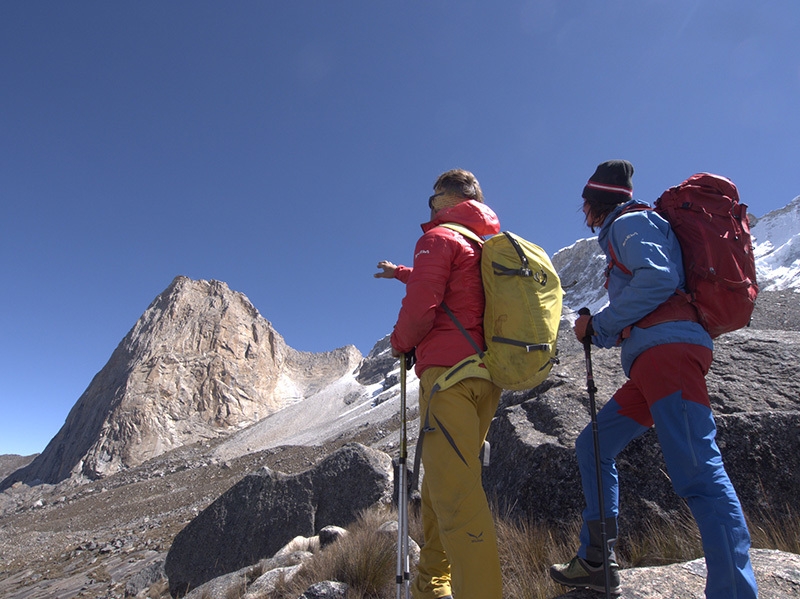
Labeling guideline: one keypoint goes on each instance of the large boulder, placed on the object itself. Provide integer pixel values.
(267, 509)
(756, 399)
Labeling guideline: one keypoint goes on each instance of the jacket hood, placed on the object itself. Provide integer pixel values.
(475, 215)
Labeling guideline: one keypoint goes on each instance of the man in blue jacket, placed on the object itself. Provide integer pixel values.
(666, 364)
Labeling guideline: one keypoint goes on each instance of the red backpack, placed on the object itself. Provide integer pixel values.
(713, 230)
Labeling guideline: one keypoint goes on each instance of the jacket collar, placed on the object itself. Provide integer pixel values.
(474, 215)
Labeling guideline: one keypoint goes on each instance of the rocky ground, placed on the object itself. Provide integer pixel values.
(106, 538)
(91, 540)
(777, 310)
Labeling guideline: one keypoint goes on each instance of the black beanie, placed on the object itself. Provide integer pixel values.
(610, 184)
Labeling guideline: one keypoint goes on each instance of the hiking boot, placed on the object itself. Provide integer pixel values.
(578, 573)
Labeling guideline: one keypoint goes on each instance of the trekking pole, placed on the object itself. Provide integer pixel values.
(403, 574)
(590, 388)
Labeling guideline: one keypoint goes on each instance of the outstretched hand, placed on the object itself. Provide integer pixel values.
(387, 270)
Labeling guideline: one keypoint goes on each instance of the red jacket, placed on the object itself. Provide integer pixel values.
(446, 268)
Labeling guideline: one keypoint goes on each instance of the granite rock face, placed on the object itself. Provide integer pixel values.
(200, 362)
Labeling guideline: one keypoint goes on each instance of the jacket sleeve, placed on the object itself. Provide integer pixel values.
(425, 290)
(642, 247)
(402, 273)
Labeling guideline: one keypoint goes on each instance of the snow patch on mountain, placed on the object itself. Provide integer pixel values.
(337, 410)
(581, 267)
(777, 248)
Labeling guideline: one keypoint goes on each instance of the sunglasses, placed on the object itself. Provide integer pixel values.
(430, 199)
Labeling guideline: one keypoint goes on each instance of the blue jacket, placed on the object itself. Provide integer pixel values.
(643, 242)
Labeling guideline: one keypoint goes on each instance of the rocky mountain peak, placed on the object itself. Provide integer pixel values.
(201, 361)
(208, 316)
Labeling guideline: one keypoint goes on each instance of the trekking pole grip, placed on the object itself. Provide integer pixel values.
(587, 339)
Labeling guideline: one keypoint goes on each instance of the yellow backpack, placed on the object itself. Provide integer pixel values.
(521, 318)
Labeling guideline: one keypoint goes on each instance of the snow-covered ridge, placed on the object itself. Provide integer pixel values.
(777, 248)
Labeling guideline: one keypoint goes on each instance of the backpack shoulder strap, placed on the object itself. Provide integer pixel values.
(614, 261)
(465, 231)
(612, 255)
(469, 234)
(461, 328)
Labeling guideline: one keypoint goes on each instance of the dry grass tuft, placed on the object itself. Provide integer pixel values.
(777, 531)
(661, 542)
(236, 591)
(366, 559)
(527, 549)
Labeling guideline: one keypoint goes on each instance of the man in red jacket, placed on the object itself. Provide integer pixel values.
(459, 556)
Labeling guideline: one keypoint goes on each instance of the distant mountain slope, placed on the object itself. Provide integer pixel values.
(200, 362)
(777, 242)
(10, 463)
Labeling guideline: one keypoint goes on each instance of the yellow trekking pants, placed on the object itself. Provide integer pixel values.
(459, 556)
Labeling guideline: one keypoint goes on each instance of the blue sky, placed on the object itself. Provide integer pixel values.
(286, 147)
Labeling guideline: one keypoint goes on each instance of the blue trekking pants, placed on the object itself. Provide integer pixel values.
(667, 389)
